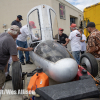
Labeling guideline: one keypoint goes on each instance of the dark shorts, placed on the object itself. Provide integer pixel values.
(2, 78)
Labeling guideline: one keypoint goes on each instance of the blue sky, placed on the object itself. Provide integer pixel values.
(81, 4)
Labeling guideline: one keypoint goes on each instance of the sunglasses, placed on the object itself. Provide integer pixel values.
(19, 33)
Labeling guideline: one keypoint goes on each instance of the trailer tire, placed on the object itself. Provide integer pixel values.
(89, 62)
(17, 81)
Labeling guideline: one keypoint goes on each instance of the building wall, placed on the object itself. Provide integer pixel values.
(11, 8)
(70, 10)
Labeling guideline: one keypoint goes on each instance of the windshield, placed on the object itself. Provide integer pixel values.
(54, 24)
(45, 21)
(52, 51)
(34, 16)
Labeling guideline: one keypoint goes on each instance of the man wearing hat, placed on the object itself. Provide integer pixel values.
(93, 45)
(7, 49)
(17, 21)
(62, 37)
(75, 37)
(22, 42)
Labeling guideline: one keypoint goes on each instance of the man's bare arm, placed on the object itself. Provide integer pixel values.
(91, 49)
(82, 40)
(24, 49)
(14, 58)
(67, 41)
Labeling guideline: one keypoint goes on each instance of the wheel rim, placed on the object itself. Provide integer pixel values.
(86, 64)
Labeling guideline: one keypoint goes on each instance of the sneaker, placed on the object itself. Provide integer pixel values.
(28, 62)
(22, 63)
(8, 78)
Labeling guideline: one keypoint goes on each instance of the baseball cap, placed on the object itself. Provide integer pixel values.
(61, 29)
(32, 24)
(14, 29)
(19, 17)
(73, 25)
(90, 24)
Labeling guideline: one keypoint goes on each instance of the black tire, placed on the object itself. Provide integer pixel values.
(93, 63)
(17, 81)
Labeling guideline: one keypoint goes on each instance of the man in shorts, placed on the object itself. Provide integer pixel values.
(7, 49)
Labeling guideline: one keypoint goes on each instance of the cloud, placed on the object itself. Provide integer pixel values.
(81, 4)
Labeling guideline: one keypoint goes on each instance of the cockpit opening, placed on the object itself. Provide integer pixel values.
(51, 51)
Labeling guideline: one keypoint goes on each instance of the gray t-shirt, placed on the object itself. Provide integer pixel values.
(16, 23)
(7, 49)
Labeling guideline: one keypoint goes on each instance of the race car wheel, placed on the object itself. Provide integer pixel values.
(89, 62)
(17, 81)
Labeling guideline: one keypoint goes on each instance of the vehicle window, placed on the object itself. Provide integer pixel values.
(52, 51)
(54, 24)
(34, 16)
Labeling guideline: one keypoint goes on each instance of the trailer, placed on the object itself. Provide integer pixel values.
(92, 14)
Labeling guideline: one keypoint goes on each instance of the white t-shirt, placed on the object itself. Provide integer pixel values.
(24, 34)
(83, 44)
(75, 37)
(10, 60)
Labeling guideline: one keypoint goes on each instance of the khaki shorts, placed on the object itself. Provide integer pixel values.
(2, 78)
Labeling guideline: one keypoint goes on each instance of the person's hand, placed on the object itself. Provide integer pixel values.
(62, 44)
(39, 38)
(55, 40)
(30, 49)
